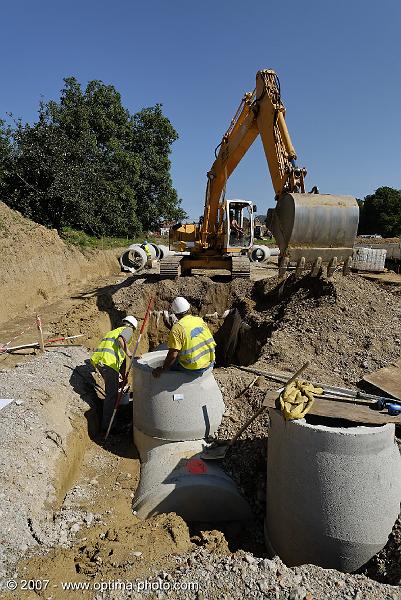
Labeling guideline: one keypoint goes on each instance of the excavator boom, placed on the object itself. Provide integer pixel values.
(311, 229)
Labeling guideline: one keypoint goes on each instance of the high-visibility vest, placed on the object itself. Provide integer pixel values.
(198, 349)
(109, 351)
(147, 250)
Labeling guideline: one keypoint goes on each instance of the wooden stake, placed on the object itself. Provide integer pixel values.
(39, 326)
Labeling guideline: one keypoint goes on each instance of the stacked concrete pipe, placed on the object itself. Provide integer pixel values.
(333, 493)
(133, 259)
(172, 416)
(164, 251)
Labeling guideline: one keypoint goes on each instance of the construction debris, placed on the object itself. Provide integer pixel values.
(5, 348)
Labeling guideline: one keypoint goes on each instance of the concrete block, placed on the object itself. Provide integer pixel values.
(176, 406)
(333, 493)
(174, 479)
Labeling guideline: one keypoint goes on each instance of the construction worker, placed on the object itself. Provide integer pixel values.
(109, 360)
(146, 247)
(190, 343)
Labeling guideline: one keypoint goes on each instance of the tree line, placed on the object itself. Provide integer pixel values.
(381, 213)
(89, 164)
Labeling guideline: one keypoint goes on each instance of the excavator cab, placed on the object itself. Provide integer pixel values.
(238, 226)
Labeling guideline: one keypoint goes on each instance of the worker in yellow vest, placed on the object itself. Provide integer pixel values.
(190, 343)
(146, 247)
(109, 360)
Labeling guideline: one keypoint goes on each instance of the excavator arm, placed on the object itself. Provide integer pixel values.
(310, 229)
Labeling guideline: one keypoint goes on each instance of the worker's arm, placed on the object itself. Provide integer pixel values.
(168, 362)
(124, 347)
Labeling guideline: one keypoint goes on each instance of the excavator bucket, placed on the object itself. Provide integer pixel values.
(315, 230)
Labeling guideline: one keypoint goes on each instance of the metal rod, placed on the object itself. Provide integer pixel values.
(329, 389)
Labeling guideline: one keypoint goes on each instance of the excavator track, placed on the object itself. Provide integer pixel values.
(240, 267)
(170, 267)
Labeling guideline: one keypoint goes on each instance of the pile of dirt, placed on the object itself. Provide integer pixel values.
(244, 575)
(345, 327)
(207, 297)
(37, 266)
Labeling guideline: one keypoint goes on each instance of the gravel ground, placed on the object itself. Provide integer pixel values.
(34, 431)
(245, 576)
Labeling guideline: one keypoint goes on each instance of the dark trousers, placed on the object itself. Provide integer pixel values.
(110, 377)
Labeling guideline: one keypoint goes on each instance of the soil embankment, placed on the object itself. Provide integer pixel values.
(37, 266)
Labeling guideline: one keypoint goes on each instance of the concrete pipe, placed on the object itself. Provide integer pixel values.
(164, 251)
(259, 254)
(262, 253)
(156, 249)
(333, 493)
(133, 259)
(175, 406)
(175, 479)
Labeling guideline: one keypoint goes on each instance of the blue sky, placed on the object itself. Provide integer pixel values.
(338, 63)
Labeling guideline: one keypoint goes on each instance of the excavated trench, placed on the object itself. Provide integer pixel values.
(257, 312)
(88, 476)
(92, 476)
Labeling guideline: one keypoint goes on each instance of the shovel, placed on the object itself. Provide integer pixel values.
(219, 452)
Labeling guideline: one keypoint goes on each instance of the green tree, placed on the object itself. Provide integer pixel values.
(153, 137)
(381, 213)
(89, 164)
(5, 154)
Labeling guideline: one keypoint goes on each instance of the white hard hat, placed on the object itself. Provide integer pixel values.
(180, 305)
(131, 320)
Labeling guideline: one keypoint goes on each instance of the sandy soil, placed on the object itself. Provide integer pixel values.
(37, 266)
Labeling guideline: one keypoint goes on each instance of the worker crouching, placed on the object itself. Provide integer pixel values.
(190, 343)
(109, 360)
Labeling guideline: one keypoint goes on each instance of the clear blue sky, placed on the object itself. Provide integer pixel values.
(338, 63)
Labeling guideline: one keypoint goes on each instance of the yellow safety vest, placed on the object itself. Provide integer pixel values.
(147, 250)
(198, 349)
(109, 351)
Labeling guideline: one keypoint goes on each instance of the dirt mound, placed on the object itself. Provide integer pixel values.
(110, 552)
(345, 328)
(38, 266)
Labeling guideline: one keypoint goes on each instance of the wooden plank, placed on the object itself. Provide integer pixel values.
(391, 277)
(357, 413)
(387, 379)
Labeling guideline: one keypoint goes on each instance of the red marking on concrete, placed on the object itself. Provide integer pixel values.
(196, 466)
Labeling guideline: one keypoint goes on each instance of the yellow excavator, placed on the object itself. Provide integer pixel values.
(312, 230)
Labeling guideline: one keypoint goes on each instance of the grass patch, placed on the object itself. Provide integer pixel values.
(265, 242)
(83, 240)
